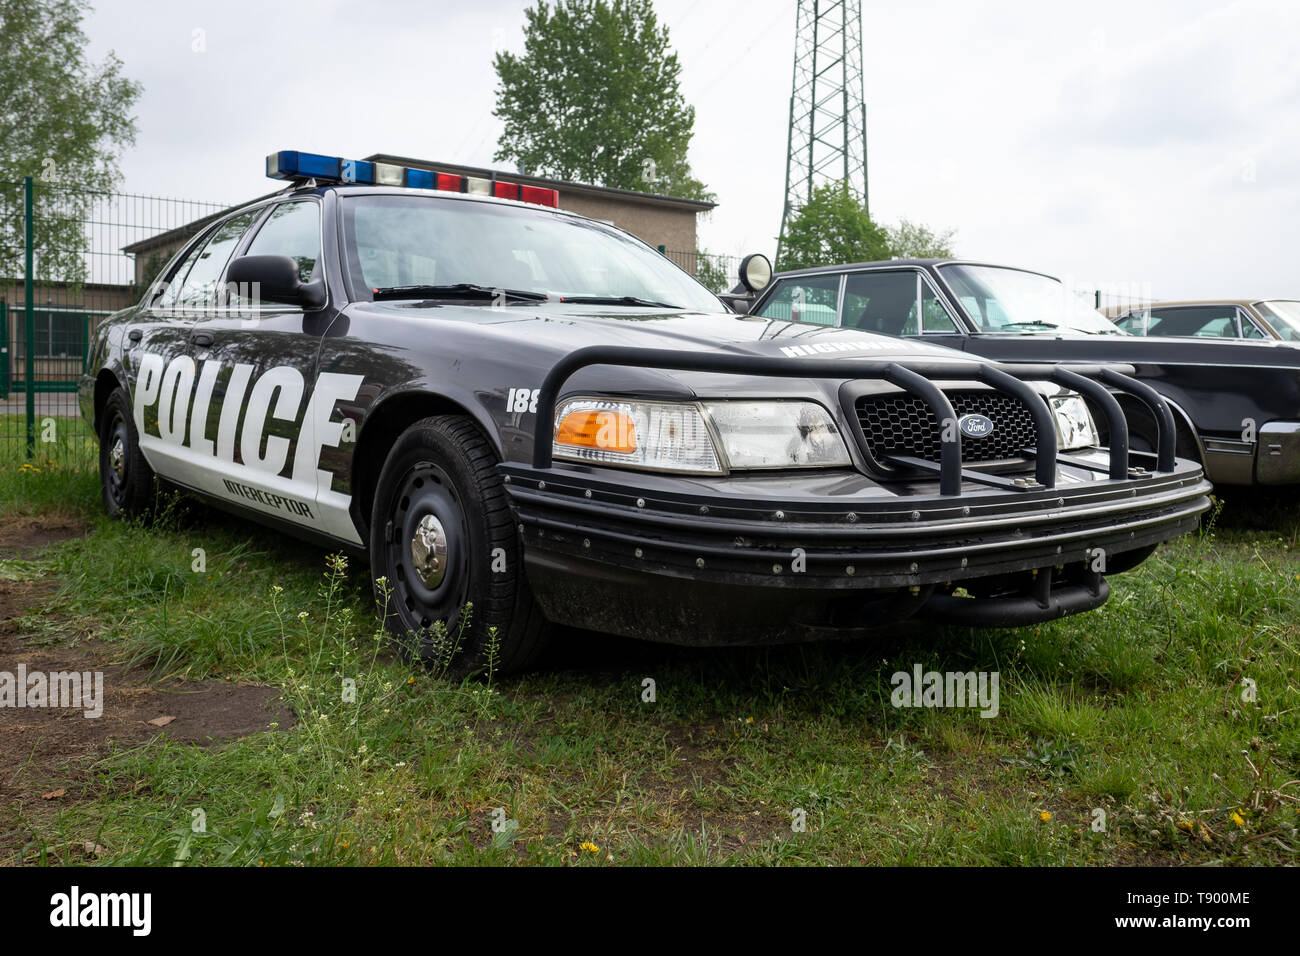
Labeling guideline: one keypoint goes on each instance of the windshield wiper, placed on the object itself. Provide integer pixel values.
(461, 290)
(616, 300)
(1029, 325)
(1053, 326)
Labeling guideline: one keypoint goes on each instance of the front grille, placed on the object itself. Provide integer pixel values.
(903, 425)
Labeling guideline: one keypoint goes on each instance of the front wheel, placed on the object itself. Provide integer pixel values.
(444, 556)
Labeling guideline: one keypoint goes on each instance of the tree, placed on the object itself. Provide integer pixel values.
(595, 98)
(711, 272)
(912, 240)
(833, 227)
(63, 121)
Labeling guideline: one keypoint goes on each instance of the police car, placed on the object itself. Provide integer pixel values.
(511, 407)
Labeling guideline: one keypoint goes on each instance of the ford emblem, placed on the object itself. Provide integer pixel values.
(975, 426)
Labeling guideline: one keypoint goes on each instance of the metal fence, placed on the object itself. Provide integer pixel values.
(69, 257)
(719, 273)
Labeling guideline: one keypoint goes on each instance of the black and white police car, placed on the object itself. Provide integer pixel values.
(509, 406)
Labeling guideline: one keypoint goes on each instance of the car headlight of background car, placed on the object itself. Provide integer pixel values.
(700, 438)
(1074, 425)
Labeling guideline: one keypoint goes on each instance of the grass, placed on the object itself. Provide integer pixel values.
(1136, 716)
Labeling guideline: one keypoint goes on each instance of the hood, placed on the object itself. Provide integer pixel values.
(562, 328)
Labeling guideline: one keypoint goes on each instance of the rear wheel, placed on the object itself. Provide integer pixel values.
(126, 481)
(442, 538)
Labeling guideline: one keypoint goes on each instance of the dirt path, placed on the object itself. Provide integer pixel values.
(46, 752)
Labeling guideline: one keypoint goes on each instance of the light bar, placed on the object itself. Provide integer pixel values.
(292, 164)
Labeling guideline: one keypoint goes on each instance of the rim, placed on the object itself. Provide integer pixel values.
(427, 548)
(115, 459)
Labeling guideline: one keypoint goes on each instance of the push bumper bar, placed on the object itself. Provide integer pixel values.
(708, 561)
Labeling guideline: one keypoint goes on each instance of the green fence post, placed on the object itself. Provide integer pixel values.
(29, 328)
(4, 351)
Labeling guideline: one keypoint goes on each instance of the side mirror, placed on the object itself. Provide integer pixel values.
(755, 272)
(275, 279)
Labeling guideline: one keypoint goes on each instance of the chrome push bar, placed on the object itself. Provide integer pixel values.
(915, 377)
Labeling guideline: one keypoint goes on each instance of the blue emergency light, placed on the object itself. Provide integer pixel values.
(293, 164)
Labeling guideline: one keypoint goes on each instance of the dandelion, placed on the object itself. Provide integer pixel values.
(1186, 826)
(588, 847)
(749, 720)
(1238, 819)
(1044, 816)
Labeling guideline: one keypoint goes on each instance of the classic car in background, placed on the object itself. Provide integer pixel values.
(1213, 318)
(1237, 401)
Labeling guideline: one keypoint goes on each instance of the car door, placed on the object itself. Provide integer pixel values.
(262, 412)
(158, 351)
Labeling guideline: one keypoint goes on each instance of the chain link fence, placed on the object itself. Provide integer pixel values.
(68, 258)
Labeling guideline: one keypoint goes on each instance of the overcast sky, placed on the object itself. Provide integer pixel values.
(1146, 143)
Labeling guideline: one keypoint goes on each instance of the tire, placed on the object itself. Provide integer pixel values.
(127, 483)
(444, 469)
(1142, 435)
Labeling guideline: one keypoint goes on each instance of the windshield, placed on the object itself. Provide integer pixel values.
(1284, 315)
(1010, 300)
(396, 241)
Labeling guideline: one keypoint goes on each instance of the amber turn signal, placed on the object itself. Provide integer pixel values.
(599, 429)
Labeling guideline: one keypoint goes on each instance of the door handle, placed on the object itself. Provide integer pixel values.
(203, 339)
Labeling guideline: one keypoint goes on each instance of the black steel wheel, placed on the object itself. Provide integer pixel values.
(445, 558)
(126, 481)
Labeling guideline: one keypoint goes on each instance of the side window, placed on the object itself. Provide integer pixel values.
(882, 302)
(812, 299)
(200, 288)
(1215, 321)
(1249, 330)
(172, 292)
(293, 230)
(1135, 323)
(934, 314)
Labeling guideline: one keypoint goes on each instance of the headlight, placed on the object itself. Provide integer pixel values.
(666, 436)
(1074, 424)
(654, 435)
(777, 435)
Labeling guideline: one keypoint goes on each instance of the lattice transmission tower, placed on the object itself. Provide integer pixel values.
(828, 113)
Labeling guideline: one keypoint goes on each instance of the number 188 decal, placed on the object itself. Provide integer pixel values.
(522, 400)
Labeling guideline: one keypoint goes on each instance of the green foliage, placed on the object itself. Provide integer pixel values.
(913, 240)
(833, 227)
(64, 121)
(595, 98)
(711, 272)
